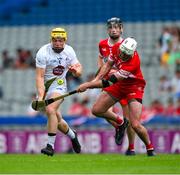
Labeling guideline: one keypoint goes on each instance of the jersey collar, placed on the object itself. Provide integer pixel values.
(111, 44)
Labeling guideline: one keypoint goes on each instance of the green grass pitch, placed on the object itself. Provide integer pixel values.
(89, 164)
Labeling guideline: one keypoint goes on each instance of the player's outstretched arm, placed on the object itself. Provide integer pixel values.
(99, 83)
(90, 85)
(104, 70)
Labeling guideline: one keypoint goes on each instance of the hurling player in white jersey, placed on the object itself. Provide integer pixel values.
(53, 61)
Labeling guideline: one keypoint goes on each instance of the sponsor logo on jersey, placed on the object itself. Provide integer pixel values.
(58, 70)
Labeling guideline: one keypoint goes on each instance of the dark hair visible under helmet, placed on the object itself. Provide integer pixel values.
(114, 20)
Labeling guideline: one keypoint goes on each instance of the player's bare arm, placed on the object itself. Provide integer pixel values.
(40, 82)
(100, 64)
(89, 85)
(114, 78)
(104, 70)
(76, 69)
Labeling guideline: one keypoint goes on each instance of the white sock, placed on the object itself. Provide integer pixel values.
(70, 133)
(51, 140)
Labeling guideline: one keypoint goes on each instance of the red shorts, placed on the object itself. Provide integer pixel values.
(123, 102)
(126, 93)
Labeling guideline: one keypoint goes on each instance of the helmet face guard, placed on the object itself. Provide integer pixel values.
(124, 56)
(127, 48)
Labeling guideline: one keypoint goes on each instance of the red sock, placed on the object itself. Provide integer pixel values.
(149, 146)
(119, 120)
(131, 147)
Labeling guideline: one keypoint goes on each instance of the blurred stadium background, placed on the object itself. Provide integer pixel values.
(25, 26)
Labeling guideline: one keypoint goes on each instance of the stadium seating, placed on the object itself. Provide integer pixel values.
(73, 12)
(84, 22)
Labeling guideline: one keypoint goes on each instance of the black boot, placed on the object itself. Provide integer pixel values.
(75, 143)
(48, 150)
(120, 132)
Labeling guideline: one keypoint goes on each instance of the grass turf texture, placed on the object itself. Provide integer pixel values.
(89, 164)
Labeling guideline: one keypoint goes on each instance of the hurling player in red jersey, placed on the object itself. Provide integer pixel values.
(127, 83)
(114, 30)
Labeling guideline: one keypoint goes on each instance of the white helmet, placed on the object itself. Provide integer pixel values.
(128, 46)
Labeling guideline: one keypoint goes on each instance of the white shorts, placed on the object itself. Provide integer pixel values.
(57, 88)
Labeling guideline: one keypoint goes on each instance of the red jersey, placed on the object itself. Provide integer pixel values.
(130, 70)
(132, 86)
(105, 50)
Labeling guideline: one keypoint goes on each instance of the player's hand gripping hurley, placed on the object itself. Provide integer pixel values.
(37, 105)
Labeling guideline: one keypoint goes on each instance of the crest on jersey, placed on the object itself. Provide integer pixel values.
(58, 70)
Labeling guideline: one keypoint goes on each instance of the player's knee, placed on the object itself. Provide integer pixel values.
(97, 111)
(50, 111)
(94, 111)
(59, 116)
(136, 125)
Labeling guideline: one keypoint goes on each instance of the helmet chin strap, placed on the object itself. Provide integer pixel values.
(58, 50)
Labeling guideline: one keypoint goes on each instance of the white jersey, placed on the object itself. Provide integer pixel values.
(55, 64)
